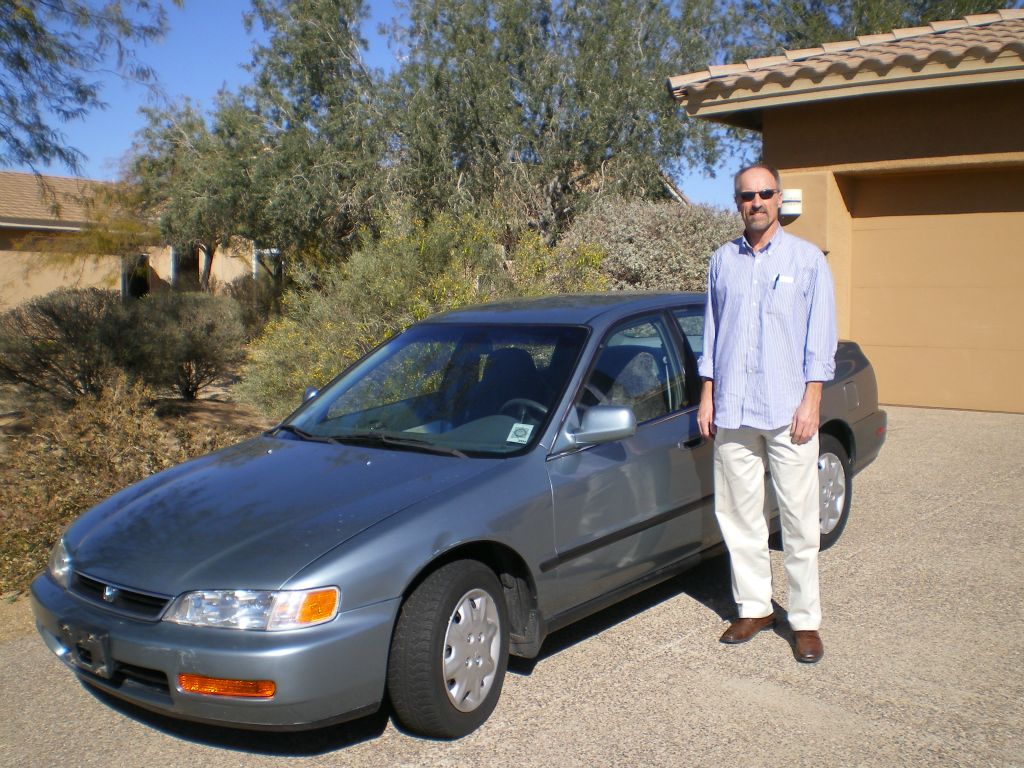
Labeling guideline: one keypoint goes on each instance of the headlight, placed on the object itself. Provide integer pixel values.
(59, 564)
(251, 609)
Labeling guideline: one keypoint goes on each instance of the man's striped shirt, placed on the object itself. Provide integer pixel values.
(769, 328)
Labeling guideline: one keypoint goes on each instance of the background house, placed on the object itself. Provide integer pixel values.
(36, 218)
(44, 216)
(908, 148)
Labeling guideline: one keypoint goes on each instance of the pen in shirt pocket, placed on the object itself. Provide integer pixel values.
(782, 279)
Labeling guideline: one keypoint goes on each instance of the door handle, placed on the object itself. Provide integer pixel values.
(693, 442)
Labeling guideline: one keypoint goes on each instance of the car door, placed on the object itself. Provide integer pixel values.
(627, 508)
(690, 323)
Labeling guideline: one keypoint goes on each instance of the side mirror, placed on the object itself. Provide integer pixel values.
(310, 393)
(601, 424)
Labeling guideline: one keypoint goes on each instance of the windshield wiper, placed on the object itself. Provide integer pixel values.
(301, 433)
(409, 443)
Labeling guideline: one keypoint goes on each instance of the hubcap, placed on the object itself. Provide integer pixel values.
(832, 498)
(472, 646)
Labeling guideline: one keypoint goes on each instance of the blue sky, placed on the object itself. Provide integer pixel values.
(205, 50)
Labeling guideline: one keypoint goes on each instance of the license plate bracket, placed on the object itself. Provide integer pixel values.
(87, 649)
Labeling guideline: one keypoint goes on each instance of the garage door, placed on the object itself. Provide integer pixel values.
(937, 297)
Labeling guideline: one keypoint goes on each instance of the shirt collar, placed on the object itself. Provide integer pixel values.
(746, 247)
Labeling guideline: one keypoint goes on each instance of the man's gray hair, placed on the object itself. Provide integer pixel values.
(773, 171)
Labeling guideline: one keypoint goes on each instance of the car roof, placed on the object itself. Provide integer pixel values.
(567, 309)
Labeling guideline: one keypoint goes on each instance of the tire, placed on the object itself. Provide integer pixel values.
(431, 636)
(835, 484)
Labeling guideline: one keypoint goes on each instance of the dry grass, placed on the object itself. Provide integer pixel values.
(60, 463)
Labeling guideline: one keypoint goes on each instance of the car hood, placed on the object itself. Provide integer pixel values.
(253, 515)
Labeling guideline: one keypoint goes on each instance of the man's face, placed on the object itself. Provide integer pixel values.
(758, 215)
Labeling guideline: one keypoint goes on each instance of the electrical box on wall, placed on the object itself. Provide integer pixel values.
(792, 202)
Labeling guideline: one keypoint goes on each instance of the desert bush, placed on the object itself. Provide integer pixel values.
(71, 459)
(59, 344)
(660, 246)
(182, 340)
(411, 271)
(258, 299)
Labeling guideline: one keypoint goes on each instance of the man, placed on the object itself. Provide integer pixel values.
(769, 344)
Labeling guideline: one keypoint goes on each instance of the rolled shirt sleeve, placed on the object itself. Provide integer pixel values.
(822, 336)
(706, 361)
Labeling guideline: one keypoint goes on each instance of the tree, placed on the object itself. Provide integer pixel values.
(794, 24)
(49, 52)
(543, 105)
(197, 180)
(319, 110)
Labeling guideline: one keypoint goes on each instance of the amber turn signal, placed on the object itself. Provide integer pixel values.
(215, 686)
(318, 606)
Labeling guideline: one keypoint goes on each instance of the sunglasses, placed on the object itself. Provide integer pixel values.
(764, 194)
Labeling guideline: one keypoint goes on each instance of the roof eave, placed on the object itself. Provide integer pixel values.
(42, 226)
(744, 107)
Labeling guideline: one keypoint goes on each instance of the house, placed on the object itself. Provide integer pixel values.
(907, 149)
(37, 213)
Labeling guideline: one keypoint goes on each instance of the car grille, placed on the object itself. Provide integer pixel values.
(141, 605)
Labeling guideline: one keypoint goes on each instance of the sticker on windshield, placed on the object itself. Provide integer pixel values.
(520, 434)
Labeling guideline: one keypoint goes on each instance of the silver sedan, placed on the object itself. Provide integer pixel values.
(482, 479)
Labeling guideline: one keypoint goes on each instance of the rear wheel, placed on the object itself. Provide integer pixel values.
(835, 489)
(449, 651)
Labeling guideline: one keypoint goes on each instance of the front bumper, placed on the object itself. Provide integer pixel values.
(323, 674)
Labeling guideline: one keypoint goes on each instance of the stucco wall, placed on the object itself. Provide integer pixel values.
(24, 275)
(27, 274)
(926, 127)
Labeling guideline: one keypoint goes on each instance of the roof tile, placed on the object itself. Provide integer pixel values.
(943, 26)
(905, 32)
(718, 70)
(884, 37)
(953, 42)
(23, 199)
(982, 18)
(767, 61)
(803, 53)
(840, 45)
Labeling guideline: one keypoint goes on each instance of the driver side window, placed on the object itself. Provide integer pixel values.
(637, 367)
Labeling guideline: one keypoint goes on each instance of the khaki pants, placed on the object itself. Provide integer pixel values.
(741, 458)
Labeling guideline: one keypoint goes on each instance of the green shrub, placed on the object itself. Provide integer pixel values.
(72, 459)
(661, 246)
(58, 344)
(258, 299)
(411, 271)
(182, 340)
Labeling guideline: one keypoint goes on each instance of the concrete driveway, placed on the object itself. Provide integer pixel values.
(923, 654)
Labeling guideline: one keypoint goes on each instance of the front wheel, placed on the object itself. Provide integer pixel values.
(449, 652)
(835, 489)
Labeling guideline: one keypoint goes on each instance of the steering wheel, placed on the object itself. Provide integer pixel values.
(523, 405)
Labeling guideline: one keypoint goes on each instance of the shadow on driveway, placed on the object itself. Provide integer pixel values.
(707, 583)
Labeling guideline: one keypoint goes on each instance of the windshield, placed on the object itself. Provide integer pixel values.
(458, 389)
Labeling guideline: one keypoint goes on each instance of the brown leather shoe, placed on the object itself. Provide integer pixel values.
(807, 647)
(742, 630)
